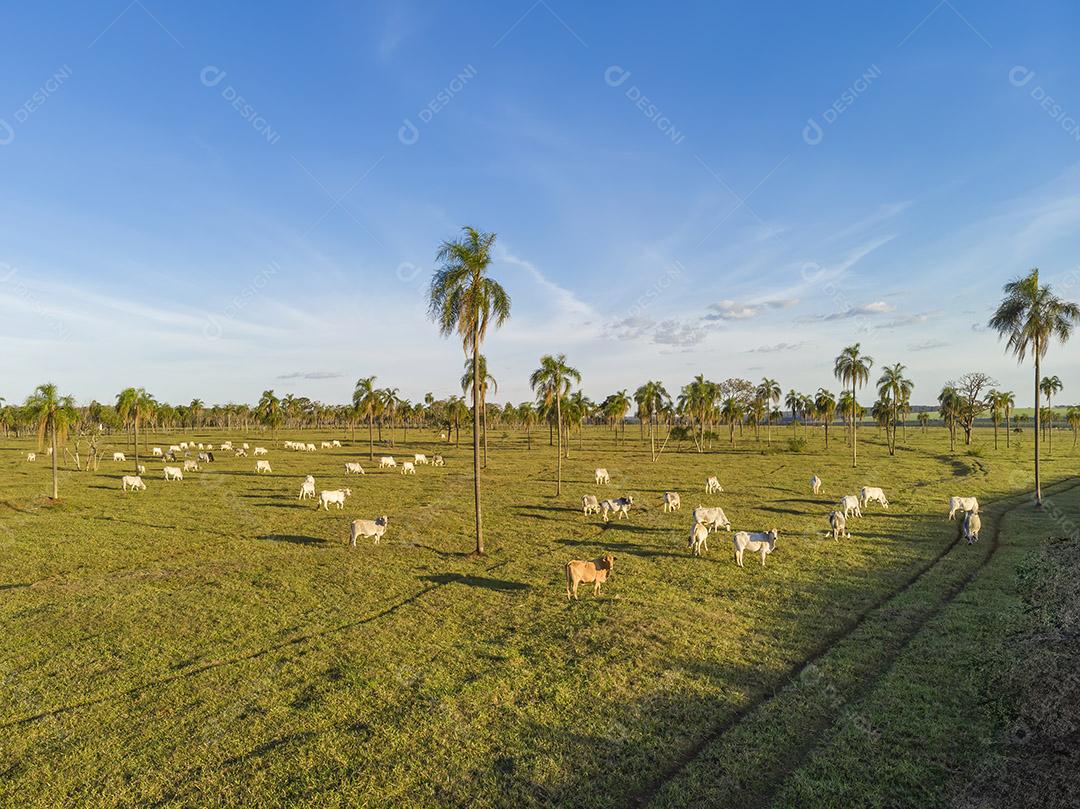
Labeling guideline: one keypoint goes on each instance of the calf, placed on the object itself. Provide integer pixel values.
(972, 526)
(336, 496)
(838, 524)
(368, 528)
(619, 506)
(712, 485)
(307, 488)
(849, 504)
(759, 542)
(964, 504)
(589, 504)
(595, 572)
(699, 539)
(872, 494)
(602, 476)
(815, 485)
(174, 473)
(672, 502)
(353, 468)
(133, 482)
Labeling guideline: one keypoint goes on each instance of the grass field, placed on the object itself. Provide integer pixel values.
(215, 640)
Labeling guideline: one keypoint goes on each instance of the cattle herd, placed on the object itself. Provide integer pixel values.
(705, 520)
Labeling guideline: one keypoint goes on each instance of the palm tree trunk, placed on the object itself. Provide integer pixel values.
(1038, 482)
(136, 445)
(854, 428)
(558, 421)
(1008, 429)
(370, 438)
(483, 415)
(55, 477)
(476, 446)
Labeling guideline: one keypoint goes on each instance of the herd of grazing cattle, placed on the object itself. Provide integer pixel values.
(705, 520)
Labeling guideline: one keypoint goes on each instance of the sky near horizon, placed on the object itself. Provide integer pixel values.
(209, 200)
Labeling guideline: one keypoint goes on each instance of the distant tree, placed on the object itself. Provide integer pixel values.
(551, 382)
(134, 406)
(894, 389)
(731, 411)
(999, 403)
(825, 405)
(269, 411)
(769, 392)
(53, 416)
(852, 368)
(950, 406)
(970, 388)
(486, 381)
(651, 399)
(1050, 387)
(1072, 418)
(1030, 316)
(924, 419)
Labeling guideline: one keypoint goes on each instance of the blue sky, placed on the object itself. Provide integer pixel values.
(210, 201)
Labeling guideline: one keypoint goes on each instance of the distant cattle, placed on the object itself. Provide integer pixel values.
(437, 460)
(335, 496)
(849, 504)
(838, 525)
(420, 459)
(595, 572)
(258, 450)
(872, 494)
(335, 443)
(699, 539)
(712, 518)
(353, 468)
(307, 488)
(191, 466)
(133, 482)
(815, 485)
(602, 476)
(761, 542)
(368, 528)
(173, 473)
(712, 485)
(156, 452)
(407, 468)
(620, 506)
(119, 456)
(262, 466)
(672, 502)
(31, 457)
(589, 504)
(386, 461)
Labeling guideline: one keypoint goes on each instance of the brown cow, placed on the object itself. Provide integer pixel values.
(596, 571)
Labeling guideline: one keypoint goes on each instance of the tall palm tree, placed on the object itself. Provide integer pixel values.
(53, 415)
(1030, 316)
(195, 410)
(366, 404)
(526, 414)
(463, 299)
(551, 382)
(893, 388)
(618, 407)
(951, 406)
(852, 368)
(269, 411)
(1072, 417)
(388, 405)
(923, 419)
(651, 398)
(486, 380)
(134, 405)
(792, 402)
(769, 391)
(1050, 387)
(825, 404)
(731, 411)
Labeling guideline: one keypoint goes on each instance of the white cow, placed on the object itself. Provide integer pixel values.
(309, 447)
(210, 447)
(619, 506)
(31, 457)
(335, 443)
(712, 518)
(699, 539)
(133, 482)
(759, 542)
(258, 450)
(226, 446)
(672, 502)
(407, 468)
(815, 484)
(712, 485)
(972, 526)
(262, 466)
(174, 473)
(336, 496)
(602, 476)
(353, 469)
(420, 459)
(325, 444)
(191, 466)
(872, 494)
(589, 504)
(140, 468)
(156, 452)
(240, 452)
(838, 525)
(183, 445)
(368, 528)
(437, 460)
(246, 446)
(175, 448)
(386, 461)
(964, 504)
(307, 488)
(849, 504)
(119, 456)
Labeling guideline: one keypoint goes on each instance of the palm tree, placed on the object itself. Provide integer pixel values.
(825, 404)
(924, 419)
(651, 398)
(853, 368)
(769, 392)
(365, 404)
(1030, 316)
(551, 382)
(195, 410)
(951, 406)
(1072, 417)
(1000, 403)
(463, 299)
(618, 405)
(1050, 387)
(893, 388)
(269, 410)
(388, 405)
(731, 411)
(133, 405)
(792, 401)
(53, 414)
(486, 379)
(526, 414)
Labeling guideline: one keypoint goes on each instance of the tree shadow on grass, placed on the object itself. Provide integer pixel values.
(295, 539)
(475, 581)
(633, 549)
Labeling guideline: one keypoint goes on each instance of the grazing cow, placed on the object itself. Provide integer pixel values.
(437, 460)
(240, 452)
(838, 524)
(174, 473)
(420, 459)
(258, 450)
(595, 572)
(133, 482)
(589, 504)
(262, 466)
(712, 485)
(336, 496)
(119, 456)
(672, 502)
(872, 494)
(325, 445)
(815, 485)
(206, 457)
(246, 446)
(386, 461)
(307, 488)
(759, 542)
(964, 504)
(602, 476)
(972, 526)
(699, 539)
(353, 468)
(712, 518)
(191, 466)
(31, 456)
(170, 456)
(226, 446)
(309, 447)
(156, 452)
(849, 504)
(200, 446)
(175, 448)
(407, 468)
(619, 506)
(335, 443)
(368, 528)
(209, 446)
